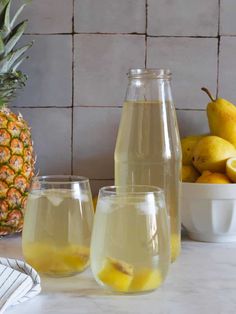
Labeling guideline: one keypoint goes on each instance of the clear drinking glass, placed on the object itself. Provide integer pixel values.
(130, 249)
(57, 225)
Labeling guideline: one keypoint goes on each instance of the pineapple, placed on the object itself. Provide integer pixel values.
(16, 151)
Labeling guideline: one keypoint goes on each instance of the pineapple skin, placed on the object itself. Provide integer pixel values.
(16, 170)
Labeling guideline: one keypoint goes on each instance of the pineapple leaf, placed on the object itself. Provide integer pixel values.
(6, 26)
(9, 60)
(15, 36)
(2, 46)
(17, 64)
(18, 13)
(3, 10)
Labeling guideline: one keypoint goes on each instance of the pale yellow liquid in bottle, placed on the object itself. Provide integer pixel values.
(145, 154)
(56, 234)
(130, 247)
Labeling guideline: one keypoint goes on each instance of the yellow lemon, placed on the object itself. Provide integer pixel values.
(213, 177)
(231, 168)
(189, 174)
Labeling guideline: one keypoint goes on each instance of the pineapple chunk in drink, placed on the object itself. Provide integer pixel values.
(116, 274)
(146, 280)
(53, 260)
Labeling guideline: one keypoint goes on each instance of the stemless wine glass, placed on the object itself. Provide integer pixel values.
(130, 248)
(58, 224)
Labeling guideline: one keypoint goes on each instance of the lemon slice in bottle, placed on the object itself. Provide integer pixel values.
(231, 168)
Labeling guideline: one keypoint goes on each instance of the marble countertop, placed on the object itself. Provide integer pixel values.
(203, 280)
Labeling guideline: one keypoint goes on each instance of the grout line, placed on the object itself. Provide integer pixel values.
(42, 107)
(131, 34)
(189, 109)
(101, 179)
(218, 51)
(93, 106)
(146, 26)
(184, 36)
(86, 33)
(73, 88)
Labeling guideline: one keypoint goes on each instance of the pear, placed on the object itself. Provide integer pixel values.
(189, 173)
(211, 153)
(187, 145)
(222, 118)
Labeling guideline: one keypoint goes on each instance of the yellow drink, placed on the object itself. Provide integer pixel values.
(56, 233)
(130, 244)
(147, 152)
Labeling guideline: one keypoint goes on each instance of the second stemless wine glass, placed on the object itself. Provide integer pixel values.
(57, 225)
(130, 248)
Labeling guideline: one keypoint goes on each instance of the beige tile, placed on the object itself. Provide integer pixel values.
(227, 65)
(94, 137)
(192, 122)
(183, 17)
(193, 63)
(97, 184)
(54, 16)
(106, 16)
(49, 71)
(227, 17)
(101, 64)
(51, 133)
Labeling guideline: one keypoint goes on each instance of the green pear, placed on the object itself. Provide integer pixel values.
(222, 118)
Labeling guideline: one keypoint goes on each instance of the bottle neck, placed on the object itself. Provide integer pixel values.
(146, 88)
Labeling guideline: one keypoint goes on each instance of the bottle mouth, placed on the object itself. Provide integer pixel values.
(149, 73)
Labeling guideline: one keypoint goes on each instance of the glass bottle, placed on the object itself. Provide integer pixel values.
(148, 147)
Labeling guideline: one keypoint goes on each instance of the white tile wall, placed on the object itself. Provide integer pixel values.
(77, 68)
(183, 17)
(192, 122)
(97, 184)
(95, 131)
(54, 16)
(51, 132)
(193, 62)
(49, 69)
(227, 68)
(109, 16)
(227, 17)
(101, 63)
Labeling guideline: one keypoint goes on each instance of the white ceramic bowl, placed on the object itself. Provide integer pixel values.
(209, 211)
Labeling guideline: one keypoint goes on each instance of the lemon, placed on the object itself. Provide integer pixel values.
(231, 168)
(213, 177)
(189, 174)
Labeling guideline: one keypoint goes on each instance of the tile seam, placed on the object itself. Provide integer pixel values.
(218, 51)
(73, 87)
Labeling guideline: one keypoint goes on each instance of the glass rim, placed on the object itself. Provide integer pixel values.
(151, 189)
(60, 179)
(152, 72)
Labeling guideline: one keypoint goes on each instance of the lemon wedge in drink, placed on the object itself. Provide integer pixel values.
(231, 168)
(145, 280)
(116, 274)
